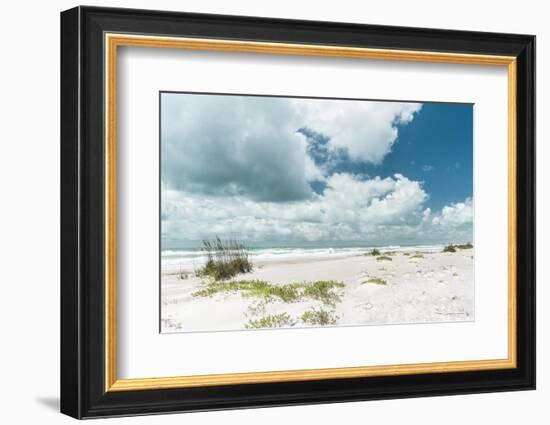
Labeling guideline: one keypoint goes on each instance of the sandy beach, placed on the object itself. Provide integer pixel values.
(409, 286)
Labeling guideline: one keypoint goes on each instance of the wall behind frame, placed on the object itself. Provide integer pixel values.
(29, 217)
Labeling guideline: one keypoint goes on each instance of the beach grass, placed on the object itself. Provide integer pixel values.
(270, 321)
(454, 247)
(374, 252)
(383, 258)
(260, 289)
(319, 317)
(252, 288)
(417, 255)
(322, 290)
(375, 280)
(224, 259)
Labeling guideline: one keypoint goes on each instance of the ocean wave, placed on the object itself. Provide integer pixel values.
(193, 259)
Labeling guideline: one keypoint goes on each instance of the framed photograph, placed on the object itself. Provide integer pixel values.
(261, 212)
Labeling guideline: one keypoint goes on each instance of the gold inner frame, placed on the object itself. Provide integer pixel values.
(113, 41)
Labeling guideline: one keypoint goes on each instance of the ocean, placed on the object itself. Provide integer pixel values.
(175, 259)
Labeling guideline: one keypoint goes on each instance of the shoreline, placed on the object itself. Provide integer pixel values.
(173, 266)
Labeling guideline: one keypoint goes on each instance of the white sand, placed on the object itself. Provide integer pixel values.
(438, 287)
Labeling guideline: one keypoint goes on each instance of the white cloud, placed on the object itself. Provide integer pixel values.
(234, 146)
(456, 214)
(351, 208)
(250, 146)
(237, 166)
(374, 211)
(365, 130)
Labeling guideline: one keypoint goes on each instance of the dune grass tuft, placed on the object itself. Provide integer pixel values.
(224, 259)
(383, 258)
(374, 252)
(319, 317)
(467, 245)
(322, 290)
(417, 255)
(375, 280)
(252, 288)
(449, 248)
(271, 321)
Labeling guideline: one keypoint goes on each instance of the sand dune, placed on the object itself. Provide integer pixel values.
(410, 287)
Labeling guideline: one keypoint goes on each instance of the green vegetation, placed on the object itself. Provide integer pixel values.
(252, 288)
(322, 290)
(384, 258)
(406, 253)
(375, 280)
(374, 252)
(453, 248)
(271, 321)
(319, 317)
(257, 309)
(417, 255)
(224, 259)
(315, 317)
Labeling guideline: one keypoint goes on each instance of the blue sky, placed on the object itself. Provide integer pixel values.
(436, 148)
(315, 170)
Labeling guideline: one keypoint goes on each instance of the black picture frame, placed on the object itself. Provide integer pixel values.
(83, 392)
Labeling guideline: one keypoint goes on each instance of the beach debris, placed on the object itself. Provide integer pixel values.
(182, 275)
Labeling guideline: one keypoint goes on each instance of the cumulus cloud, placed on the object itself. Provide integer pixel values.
(234, 146)
(351, 208)
(365, 130)
(258, 147)
(260, 169)
(456, 214)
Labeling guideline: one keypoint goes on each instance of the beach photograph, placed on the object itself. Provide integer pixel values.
(296, 212)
